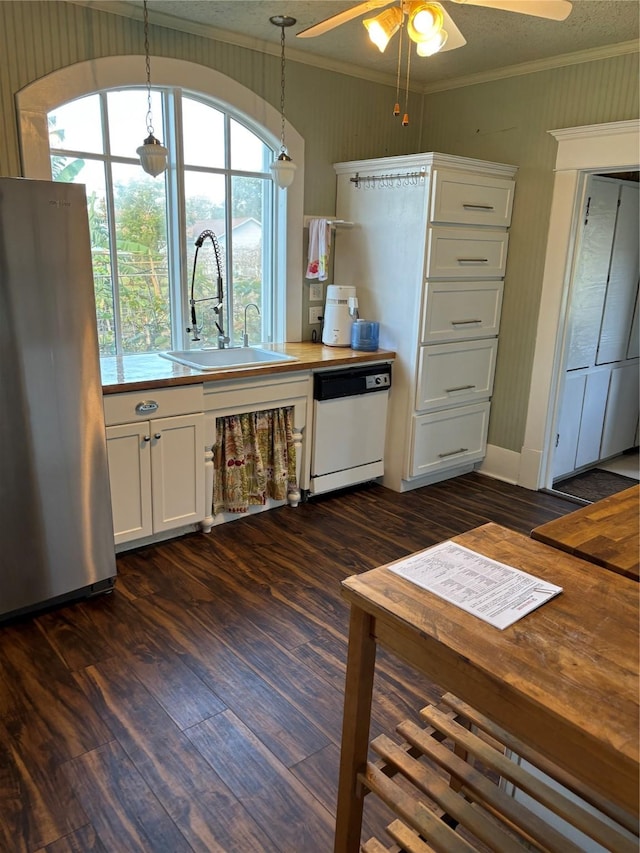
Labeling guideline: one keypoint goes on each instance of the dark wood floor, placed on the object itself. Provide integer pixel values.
(199, 706)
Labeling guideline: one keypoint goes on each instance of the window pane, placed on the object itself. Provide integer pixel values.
(91, 174)
(247, 207)
(203, 135)
(77, 126)
(205, 211)
(248, 153)
(127, 111)
(143, 280)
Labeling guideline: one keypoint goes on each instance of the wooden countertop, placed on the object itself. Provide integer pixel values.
(606, 532)
(136, 372)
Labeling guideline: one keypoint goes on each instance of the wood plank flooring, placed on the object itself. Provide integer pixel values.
(199, 707)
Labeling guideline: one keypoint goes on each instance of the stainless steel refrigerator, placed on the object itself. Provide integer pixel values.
(56, 530)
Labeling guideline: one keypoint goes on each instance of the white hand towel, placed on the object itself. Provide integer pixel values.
(319, 248)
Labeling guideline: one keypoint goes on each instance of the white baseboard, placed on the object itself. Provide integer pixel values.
(501, 464)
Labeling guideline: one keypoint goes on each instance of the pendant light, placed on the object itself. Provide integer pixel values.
(283, 168)
(152, 153)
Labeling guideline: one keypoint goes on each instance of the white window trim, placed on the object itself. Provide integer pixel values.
(581, 151)
(37, 99)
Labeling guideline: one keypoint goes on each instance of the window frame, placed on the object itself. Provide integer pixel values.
(37, 99)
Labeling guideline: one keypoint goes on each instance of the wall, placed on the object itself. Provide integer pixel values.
(508, 121)
(344, 118)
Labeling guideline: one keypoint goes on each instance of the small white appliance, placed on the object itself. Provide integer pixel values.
(340, 310)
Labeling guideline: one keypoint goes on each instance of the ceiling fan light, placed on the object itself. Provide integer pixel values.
(425, 21)
(383, 27)
(432, 45)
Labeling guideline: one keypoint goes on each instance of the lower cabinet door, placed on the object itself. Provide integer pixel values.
(621, 417)
(449, 438)
(177, 471)
(156, 472)
(128, 450)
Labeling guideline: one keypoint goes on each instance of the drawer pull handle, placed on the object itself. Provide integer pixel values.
(464, 322)
(459, 388)
(453, 452)
(146, 406)
(147, 438)
(157, 435)
(469, 206)
(473, 260)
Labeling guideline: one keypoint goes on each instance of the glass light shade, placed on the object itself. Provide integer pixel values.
(283, 171)
(383, 27)
(425, 21)
(153, 156)
(432, 45)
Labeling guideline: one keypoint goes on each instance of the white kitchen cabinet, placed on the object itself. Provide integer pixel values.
(622, 285)
(458, 310)
(464, 199)
(621, 417)
(156, 464)
(427, 255)
(466, 253)
(456, 436)
(590, 276)
(459, 372)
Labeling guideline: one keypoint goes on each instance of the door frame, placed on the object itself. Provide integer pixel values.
(581, 151)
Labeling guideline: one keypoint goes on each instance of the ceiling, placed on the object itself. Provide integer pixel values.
(496, 40)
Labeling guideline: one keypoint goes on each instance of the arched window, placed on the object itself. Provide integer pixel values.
(144, 229)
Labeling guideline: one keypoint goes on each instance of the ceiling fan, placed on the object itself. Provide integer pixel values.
(428, 24)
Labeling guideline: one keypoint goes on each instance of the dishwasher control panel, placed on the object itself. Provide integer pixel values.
(378, 380)
(351, 381)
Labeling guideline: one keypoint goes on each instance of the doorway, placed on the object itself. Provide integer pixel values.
(596, 425)
(582, 151)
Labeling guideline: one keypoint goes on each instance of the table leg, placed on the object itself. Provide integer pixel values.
(361, 659)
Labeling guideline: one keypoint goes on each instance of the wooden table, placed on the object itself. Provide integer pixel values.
(606, 533)
(563, 678)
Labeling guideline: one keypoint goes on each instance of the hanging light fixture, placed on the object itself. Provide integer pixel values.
(384, 26)
(152, 153)
(425, 21)
(283, 168)
(424, 25)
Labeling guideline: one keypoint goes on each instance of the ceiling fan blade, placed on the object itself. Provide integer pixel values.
(341, 18)
(454, 36)
(554, 10)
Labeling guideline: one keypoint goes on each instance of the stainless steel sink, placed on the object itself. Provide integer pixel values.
(221, 359)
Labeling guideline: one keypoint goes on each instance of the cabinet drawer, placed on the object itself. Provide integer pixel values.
(466, 253)
(471, 199)
(460, 310)
(447, 439)
(135, 406)
(451, 374)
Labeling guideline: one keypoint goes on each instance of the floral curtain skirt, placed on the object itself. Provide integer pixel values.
(254, 459)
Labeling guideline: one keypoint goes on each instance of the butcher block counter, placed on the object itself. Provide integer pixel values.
(137, 372)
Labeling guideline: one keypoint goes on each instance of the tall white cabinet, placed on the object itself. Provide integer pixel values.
(427, 253)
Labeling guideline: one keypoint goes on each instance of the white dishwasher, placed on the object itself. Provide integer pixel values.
(349, 426)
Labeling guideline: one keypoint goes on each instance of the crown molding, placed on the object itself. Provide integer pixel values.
(128, 10)
(591, 55)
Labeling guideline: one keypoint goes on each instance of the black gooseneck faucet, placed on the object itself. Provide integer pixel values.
(223, 339)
